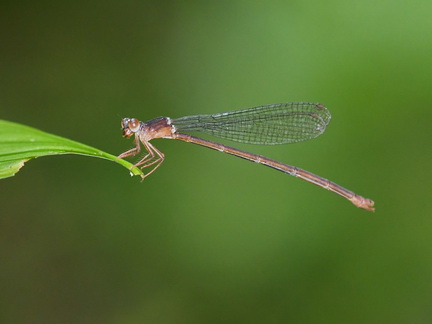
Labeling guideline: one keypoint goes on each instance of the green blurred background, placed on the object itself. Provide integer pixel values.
(211, 238)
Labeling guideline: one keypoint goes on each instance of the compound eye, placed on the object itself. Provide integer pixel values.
(133, 124)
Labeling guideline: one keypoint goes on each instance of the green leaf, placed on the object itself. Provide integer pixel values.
(20, 143)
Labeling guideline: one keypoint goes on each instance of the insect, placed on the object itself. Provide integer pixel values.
(268, 125)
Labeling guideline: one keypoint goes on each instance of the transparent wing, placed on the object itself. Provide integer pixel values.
(271, 124)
